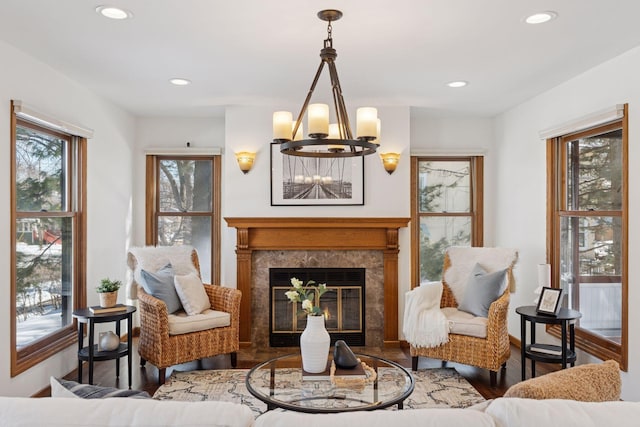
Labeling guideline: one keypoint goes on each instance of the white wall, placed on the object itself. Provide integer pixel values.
(441, 133)
(249, 128)
(168, 133)
(521, 180)
(108, 187)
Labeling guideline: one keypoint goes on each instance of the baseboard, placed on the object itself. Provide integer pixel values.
(515, 341)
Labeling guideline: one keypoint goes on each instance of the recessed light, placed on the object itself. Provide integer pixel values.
(540, 17)
(113, 12)
(180, 81)
(458, 83)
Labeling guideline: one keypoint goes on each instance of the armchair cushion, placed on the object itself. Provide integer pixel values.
(161, 285)
(181, 323)
(482, 289)
(463, 323)
(192, 295)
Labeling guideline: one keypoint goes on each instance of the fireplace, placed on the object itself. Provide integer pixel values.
(318, 242)
(343, 305)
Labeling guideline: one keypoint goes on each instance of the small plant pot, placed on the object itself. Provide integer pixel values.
(108, 299)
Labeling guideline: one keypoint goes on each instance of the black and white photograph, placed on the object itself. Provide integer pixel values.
(315, 181)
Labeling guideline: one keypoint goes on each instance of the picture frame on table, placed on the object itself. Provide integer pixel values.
(316, 181)
(549, 301)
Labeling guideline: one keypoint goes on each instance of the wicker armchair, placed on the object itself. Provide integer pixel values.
(493, 351)
(160, 348)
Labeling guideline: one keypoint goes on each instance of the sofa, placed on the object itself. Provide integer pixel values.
(552, 402)
(120, 412)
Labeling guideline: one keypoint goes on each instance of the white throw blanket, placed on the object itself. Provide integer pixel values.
(424, 323)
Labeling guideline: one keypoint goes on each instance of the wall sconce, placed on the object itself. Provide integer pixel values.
(245, 161)
(390, 161)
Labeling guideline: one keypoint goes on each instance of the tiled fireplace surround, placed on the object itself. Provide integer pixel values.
(370, 243)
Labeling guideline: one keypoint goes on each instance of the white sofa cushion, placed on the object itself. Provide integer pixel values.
(120, 412)
(181, 323)
(406, 418)
(567, 413)
(463, 323)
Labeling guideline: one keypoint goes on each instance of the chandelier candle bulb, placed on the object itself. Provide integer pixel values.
(282, 129)
(299, 133)
(378, 126)
(334, 133)
(316, 144)
(318, 120)
(367, 122)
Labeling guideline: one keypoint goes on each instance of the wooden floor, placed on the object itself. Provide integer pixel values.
(146, 378)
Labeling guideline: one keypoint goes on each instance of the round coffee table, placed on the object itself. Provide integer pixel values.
(279, 383)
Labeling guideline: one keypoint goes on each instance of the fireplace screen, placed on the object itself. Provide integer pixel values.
(342, 304)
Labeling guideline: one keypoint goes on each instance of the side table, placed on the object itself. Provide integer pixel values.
(547, 353)
(90, 353)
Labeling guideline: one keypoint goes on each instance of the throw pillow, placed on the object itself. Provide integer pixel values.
(593, 382)
(192, 294)
(482, 290)
(160, 285)
(64, 388)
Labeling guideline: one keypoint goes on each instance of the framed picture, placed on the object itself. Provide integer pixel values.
(315, 181)
(549, 302)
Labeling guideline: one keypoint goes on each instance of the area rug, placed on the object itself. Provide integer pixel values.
(443, 387)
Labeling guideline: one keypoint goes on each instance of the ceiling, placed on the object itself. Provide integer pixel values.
(257, 52)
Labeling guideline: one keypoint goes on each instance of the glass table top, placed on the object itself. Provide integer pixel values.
(279, 383)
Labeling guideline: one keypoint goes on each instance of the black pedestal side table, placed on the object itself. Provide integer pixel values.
(91, 352)
(547, 353)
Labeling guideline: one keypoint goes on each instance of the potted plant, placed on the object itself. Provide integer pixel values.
(108, 292)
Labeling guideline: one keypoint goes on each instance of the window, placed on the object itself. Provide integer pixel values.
(47, 277)
(183, 207)
(588, 248)
(446, 210)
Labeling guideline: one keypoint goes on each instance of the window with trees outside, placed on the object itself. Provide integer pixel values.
(446, 210)
(47, 277)
(587, 242)
(183, 207)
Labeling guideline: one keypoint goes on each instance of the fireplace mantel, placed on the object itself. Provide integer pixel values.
(254, 234)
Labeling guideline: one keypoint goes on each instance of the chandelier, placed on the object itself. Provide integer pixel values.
(324, 139)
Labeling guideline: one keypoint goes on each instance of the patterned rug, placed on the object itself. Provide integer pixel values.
(433, 388)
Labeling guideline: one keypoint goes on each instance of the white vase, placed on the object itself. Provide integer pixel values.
(314, 345)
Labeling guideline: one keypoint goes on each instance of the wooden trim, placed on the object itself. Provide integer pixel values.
(551, 201)
(150, 201)
(216, 226)
(624, 351)
(476, 206)
(415, 225)
(328, 234)
(81, 217)
(15, 368)
(477, 190)
(557, 208)
(152, 208)
(515, 341)
(76, 209)
(284, 223)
